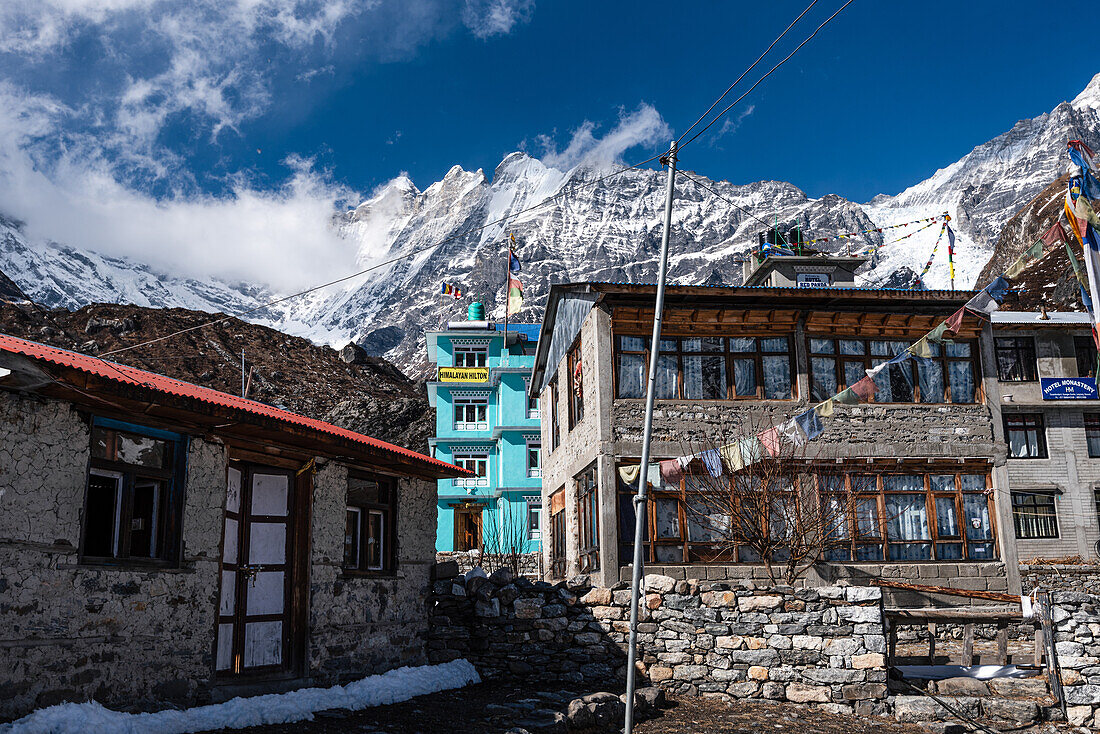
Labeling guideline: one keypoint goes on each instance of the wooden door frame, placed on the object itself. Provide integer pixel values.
(474, 508)
(297, 568)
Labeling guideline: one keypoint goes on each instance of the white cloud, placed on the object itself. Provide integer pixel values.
(487, 18)
(730, 124)
(282, 237)
(644, 126)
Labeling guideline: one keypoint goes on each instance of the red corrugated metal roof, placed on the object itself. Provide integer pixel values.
(159, 383)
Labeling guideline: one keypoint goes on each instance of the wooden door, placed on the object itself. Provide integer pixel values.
(467, 528)
(254, 625)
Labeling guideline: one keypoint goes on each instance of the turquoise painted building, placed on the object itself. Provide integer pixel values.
(486, 423)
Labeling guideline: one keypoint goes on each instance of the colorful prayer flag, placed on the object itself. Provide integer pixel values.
(671, 471)
(731, 456)
(712, 460)
(847, 396)
(865, 389)
(810, 424)
(792, 433)
(954, 321)
(770, 440)
(515, 295)
(825, 408)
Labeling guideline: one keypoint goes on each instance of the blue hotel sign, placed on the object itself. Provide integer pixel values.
(1068, 388)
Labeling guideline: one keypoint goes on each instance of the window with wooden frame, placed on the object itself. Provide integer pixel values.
(557, 534)
(1085, 350)
(948, 376)
(588, 520)
(576, 386)
(471, 355)
(1092, 434)
(1025, 435)
(370, 535)
(897, 517)
(1035, 515)
(133, 502)
(470, 413)
(1015, 358)
(534, 519)
(707, 368)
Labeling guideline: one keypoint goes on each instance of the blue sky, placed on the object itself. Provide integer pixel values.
(241, 113)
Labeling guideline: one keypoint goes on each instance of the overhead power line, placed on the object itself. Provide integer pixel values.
(383, 264)
(745, 73)
(766, 75)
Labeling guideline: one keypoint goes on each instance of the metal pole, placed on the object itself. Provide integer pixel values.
(507, 293)
(242, 373)
(647, 431)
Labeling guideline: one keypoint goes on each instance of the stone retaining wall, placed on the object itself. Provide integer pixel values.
(530, 564)
(1080, 578)
(1076, 619)
(822, 646)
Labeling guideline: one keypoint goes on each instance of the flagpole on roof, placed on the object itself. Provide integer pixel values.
(507, 291)
(647, 433)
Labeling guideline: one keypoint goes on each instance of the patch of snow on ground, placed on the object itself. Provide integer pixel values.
(276, 708)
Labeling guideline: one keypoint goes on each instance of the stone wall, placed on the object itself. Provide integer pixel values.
(74, 632)
(950, 431)
(1076, 619)
(1084, 578)
(361, 625)
(530, 564)
(823, 646)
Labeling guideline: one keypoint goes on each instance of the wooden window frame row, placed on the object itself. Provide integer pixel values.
(868, 359)
(575, 384)
(729, 355)
(588, 520)
(704, 553)
(557, 529)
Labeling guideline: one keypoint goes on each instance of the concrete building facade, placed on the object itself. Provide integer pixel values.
(163, 545)
(742, 358)
(1050, 420)
(486, 422)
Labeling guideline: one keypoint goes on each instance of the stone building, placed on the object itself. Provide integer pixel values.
(162, 544)
(924, 457)
(1049, 416)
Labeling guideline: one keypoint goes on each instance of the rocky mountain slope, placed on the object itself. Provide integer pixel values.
(348, 388)
(596, 230)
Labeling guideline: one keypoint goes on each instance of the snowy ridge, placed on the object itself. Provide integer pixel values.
(592, 230)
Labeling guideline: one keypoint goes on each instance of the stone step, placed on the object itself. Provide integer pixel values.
(918, 709)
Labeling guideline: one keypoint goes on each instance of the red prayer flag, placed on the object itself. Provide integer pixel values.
(671, 471)
(1054, 235)
(954, 321)
(865, 389)
(770, 439)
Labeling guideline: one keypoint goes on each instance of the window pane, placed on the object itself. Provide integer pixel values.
(869, 553)
(704, 377)
(351, 539)
(1092, 434)
(375, 539)
(852, 346)
(958, 349)
(666, 517)
(706, 522)
(949, 551)
(777, 377)
(101, 515)
(822, 346)
(145, 518)
(853, 373)
(973, 482)
(666, 388)
(779, 344)
(864, 482)
(903, 483)
(632, 343)
(931, 382)
(703, 344)
(942, 482)
(824, 377)
(669, 345)
(631, 375)
(835, 519)
(976, 513)
(867, 524)
(746, 344)
(142, 451)
(744, 377)
(910, 551)
(906, 517)
(947, 523)
(961, 377)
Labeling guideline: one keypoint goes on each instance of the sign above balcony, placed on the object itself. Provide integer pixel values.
(813, 280)
(463, 374)
(1068, 388)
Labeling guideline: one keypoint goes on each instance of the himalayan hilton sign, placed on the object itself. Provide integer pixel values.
(463, 374)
